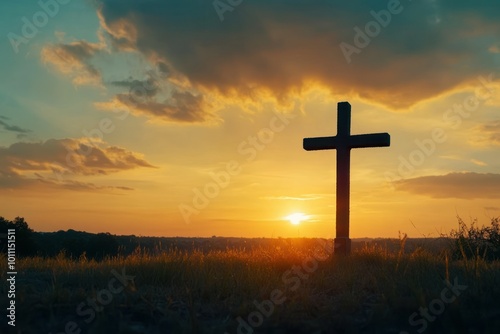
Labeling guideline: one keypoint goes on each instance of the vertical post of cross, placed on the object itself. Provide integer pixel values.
(342, 242)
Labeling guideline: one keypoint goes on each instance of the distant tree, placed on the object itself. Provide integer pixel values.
(4, 226)
(25, 244)
(74, 246)
(102, 245)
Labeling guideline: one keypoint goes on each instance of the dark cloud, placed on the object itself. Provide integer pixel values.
(467, 185)
(22, 164)
(280, 46)
(155, 97)
(42, 183)
(12, 128)
(138, 87)
(178, 107)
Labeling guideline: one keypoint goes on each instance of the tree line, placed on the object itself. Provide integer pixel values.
(468, 241)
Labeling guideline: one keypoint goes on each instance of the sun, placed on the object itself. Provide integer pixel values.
(296, 218)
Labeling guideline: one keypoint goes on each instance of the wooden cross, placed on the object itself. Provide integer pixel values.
(343, 142)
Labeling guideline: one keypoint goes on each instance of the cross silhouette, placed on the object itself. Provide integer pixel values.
(343, 142)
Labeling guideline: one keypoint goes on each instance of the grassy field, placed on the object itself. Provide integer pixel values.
(282, 286)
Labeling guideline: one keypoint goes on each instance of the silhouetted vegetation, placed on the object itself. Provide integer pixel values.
(76, 244)
(25, 244)
(477, 242)
(466, 242)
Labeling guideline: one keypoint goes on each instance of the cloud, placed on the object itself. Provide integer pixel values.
(277, 50)
(56, 162)
(74, 59)
(478, 162)
(307, 197)
(138, 87)
(281, 46)
(465, 185)
(48, 183)
(178, 107)
(12, 128)
(488, 134)
(156, 97)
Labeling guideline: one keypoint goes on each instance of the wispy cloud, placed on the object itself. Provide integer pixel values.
(50, 183)
(488, 134)
(478, 162)
(74, 59)
(12, 128)
(183, 107)
(307, 197)
(466, 185)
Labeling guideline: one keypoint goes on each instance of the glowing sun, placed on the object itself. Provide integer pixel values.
(296, 218)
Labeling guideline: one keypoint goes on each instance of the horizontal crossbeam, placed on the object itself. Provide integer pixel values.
(354, 141)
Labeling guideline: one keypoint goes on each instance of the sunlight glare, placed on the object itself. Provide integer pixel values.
(296, 218)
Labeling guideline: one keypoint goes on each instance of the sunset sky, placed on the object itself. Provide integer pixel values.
(186, 118)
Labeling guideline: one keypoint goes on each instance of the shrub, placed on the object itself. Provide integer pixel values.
(477, 242)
